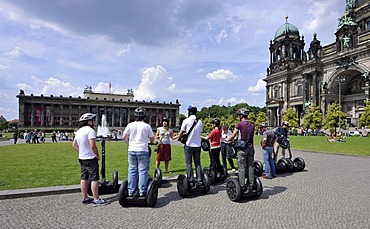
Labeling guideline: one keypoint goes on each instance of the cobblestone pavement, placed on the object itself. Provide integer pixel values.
(332, 192)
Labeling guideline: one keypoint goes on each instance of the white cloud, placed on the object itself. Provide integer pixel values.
(57, 87)
(3, 67)
(259, 89)
(221, 36)
(221, 74)
(155, 84)
(124, 50)
(15, 53)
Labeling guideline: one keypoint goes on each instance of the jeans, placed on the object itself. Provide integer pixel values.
(226, 152)
(138, 164)
(190, 153)
(245, 163)
(276, 151)
(268, 160)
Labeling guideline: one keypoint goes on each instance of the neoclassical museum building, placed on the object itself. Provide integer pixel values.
(322, 75)
(63, 112)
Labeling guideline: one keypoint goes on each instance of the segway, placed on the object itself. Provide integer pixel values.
(105, 187)
(149, 200)
(236, 192)
(186, 187)
(296, 165)
(157, 172)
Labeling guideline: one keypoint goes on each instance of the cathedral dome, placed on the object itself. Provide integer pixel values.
(287, 29)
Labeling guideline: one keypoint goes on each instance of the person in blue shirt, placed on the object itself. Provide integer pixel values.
(281, 131)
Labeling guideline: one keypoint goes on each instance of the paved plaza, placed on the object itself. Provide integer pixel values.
(332, 192)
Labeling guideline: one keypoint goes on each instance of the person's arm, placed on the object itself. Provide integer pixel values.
(75, 145)
(264, 140)
(125, 138)
(157, 134)
(94, 148)
(151, 139)
(232, 136)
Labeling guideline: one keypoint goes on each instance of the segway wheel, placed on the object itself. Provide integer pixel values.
(280, 166)
(158, 176)
(123, 193)
(298, 164)
(285, 163)
(258, 186)
(207, 183)
(115, 181)
(211, 174)
(289, 165)
(152, 194)
(258, 168)
(234, 190)
(182, 186)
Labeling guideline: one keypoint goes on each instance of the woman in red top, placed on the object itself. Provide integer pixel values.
(215, 139)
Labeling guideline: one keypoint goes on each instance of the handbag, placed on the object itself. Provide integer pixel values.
(156, 148)
(184, 137)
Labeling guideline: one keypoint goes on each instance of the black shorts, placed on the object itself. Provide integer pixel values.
(89, 169)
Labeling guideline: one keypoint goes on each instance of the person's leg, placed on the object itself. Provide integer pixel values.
(266, 162)
(217, 159)
(166, 166)
(188, 162)
(282, 152)
(242, 165)
(224, 154)
(132, 172)
(250, 166)
(213, 153)
(229, 156)
(157, 163)
(95, 189)
(143, 160)
(198, 166)
(83, 186)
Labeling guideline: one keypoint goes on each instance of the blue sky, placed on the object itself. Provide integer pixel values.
(201, 52)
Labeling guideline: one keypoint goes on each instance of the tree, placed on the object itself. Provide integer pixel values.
(313, 118)
(331, 120)
(4, 125)
(365, 117)
(252, 118)
(261, 118)
(291, 116)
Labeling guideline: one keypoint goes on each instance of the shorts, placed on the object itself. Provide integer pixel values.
(89, 169)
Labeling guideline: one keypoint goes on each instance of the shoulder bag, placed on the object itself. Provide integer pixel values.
(241, 144)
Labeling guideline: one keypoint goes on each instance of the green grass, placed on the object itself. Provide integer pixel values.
(55, 164)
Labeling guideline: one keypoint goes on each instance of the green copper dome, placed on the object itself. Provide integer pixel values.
(287, 29)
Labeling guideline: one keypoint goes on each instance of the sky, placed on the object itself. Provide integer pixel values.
(201, 52)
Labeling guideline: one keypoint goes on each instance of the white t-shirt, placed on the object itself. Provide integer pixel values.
(164, 135)
(83, 135)
(194, 138)
(138, 133)
(224, 135)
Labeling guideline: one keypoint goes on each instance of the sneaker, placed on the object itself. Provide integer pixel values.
(233, 170)
(100, 202)
(88, 200)
(143, 195)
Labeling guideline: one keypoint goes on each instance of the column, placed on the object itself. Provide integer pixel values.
(61, 115)
(32, 114)
(51, 114)
(70, 116)
(42, 115)
(21, 114)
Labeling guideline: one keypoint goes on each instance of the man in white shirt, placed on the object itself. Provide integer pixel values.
(85, 144)
(192, 147)
(136, 135)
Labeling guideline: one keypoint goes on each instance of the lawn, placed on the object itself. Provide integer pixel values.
(54, 164)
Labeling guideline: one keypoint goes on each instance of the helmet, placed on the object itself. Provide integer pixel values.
(165, 119)
(285, 123)
(225, 126)
(205, 144)
(262, 125)
(139, 112)
(216, 121)
(87, 117)
(192, 108)
(243, 111)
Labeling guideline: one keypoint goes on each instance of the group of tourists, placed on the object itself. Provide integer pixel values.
(139, 134)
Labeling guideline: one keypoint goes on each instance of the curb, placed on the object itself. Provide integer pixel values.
(55, 190)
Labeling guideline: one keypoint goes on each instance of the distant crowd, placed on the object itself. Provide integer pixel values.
(36, 137)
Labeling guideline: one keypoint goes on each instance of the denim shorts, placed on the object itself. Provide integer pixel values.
(89, 169)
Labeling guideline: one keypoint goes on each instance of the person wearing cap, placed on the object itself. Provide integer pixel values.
(164, 135)
(215, 138)
(226, 150)
(245, 130)
(267, 142)
(192, 147)
(280, 132)
(136, 135)
(88, 156)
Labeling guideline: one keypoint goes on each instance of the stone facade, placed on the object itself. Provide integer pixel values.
(337, 72)
(63, 112)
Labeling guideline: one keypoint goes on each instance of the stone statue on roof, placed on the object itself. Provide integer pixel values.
(350, 4)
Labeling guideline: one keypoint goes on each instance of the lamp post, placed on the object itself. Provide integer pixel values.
(340, 79)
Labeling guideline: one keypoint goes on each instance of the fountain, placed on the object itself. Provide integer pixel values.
(103, 130)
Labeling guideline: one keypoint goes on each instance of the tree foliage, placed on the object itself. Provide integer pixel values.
(291, 116)
(261, 118)
(313, 118)
(365, 117)
(331, 120)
